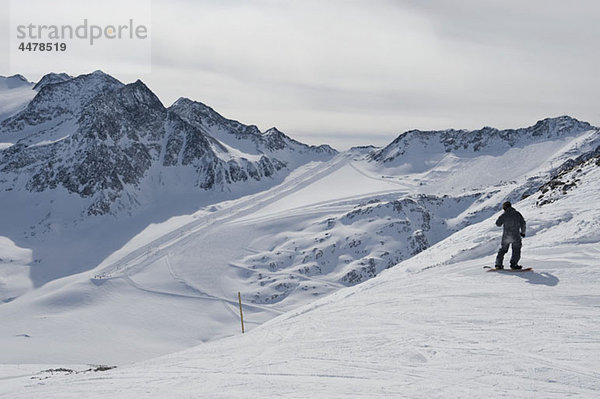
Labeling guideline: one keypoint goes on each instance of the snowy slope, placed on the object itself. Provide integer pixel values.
(436, 325)
(174, 284)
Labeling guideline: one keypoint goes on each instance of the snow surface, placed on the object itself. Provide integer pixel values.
(436, 325)
(154, 292)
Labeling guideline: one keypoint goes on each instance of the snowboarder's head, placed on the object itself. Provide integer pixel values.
(506, 205)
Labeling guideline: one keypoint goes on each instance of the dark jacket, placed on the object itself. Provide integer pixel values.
(514, 225)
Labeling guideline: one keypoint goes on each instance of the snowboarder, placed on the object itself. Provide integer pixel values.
(514, 230)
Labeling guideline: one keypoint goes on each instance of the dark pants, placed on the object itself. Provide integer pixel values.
(516, 251)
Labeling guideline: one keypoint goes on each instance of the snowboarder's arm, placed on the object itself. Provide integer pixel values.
(500, 220)
(523, 226)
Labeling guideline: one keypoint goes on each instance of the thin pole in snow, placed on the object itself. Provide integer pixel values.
(241, 314)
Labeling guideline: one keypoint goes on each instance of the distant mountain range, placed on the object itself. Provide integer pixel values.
(477, 141)
(101, 140)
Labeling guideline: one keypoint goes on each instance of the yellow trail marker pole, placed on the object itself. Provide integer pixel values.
(241, 314)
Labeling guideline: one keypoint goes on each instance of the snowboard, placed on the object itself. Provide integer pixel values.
(509, 270)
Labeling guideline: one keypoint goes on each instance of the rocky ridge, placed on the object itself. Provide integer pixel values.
(98, 138)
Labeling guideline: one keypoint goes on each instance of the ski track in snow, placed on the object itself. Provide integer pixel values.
(157, 248)
(240, 211)
(138, 259)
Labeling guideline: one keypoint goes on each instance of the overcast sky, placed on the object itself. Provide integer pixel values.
(349, 72)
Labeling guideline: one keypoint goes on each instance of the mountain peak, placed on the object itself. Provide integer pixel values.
(138, 85)
(98, 76)
(273, 131)
(561, 118)
(186, 103)
(14, 81)
(183, 101)
(51, 78)
(59, 100)
(561, 124)
(142, 94)
(197, 113)
(94, 82)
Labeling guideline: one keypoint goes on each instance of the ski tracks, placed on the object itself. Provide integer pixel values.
(157, 248)
(160, 248)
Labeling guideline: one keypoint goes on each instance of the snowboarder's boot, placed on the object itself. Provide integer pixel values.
(499, 267)
(516, 267)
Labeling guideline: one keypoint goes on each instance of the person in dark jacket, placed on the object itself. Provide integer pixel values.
(514, 230)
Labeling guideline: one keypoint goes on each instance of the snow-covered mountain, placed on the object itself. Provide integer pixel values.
(445, 161)
(435, 325)
(247, 139)
(132, 227)
(483, 141)
(100, 139)
(51, 78)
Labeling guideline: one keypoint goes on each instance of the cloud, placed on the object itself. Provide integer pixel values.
(535, 25)
(373, 69)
